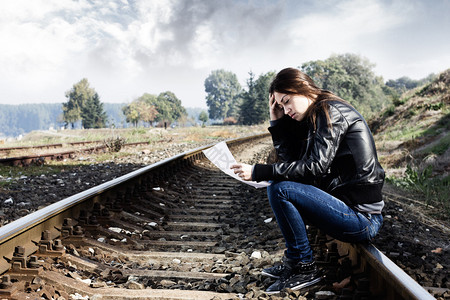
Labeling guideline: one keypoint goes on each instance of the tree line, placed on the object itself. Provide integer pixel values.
(16, 120)
(84, 105)
(348, 75)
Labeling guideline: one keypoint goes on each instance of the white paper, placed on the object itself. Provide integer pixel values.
(222, 158)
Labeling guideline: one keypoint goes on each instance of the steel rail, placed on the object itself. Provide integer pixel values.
(400, 282)
(48, 146)
(14, 161)
(386, 278)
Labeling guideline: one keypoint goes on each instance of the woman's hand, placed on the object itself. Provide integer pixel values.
(244, 171)
(276, 111)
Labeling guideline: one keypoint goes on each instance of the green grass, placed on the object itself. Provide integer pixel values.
(440, 148)
(434, 191)
(405, 133)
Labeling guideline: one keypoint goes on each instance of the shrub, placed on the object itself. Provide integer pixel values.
(229, 121)
(114, 144)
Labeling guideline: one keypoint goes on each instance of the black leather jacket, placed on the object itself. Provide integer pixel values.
(341, 160)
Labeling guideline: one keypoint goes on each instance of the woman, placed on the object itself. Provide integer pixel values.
(327, 172)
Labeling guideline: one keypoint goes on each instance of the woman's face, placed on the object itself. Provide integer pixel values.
(294, 106)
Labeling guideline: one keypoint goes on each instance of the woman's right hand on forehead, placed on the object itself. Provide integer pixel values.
(276, 111)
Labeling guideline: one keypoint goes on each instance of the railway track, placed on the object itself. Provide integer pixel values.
(39, 159)
(177, 229)
(48, 146)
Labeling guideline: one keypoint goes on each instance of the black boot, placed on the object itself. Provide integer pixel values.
(277, 270)
(295, 277)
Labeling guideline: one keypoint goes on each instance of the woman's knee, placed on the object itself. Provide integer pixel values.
(275, 193)
(280, 192)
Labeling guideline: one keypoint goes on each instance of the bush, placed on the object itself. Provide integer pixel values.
(229, 121)
(434, 190)
(114, 144)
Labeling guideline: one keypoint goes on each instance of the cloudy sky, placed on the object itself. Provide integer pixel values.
(129, 47)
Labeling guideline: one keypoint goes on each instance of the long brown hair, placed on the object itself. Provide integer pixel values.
(292, 81)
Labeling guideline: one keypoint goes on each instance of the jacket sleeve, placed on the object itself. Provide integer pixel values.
(318, 158)
(286, 136)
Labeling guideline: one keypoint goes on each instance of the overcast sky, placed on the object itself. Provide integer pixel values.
(126, 48)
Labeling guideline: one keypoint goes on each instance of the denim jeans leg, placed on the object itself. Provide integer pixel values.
(292, 202)
(290, 223)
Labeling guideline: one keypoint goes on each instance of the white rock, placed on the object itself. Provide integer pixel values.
(101, 240)
(268, 220)
(91, 251)
(115, 229)
(324, 295)
(176, 261)
(153, 224)
(256, 255)
(8, 201)
(87, 281)
(157, 188)
(77, 296)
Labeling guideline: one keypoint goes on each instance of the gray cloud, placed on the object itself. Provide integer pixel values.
(232, 25)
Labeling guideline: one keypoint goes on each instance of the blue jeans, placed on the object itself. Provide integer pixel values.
(292, 202)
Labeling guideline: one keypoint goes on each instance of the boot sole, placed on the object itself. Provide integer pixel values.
(297, 287)
(269, 275)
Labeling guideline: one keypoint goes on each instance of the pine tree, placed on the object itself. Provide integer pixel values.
(255, 101)
(247, 107)
(92, 113)
(77, 97)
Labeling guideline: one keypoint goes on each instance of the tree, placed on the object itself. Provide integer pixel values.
(77, 97)
(247, 107)
(261, 109)
(203, 117)
(147, 112)
(131, 113)
(223, 90)
(92, 113)
(169, 107)
(405, 83)
(140, 109)
(254, 108)
(350, 77)
(165, 107)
